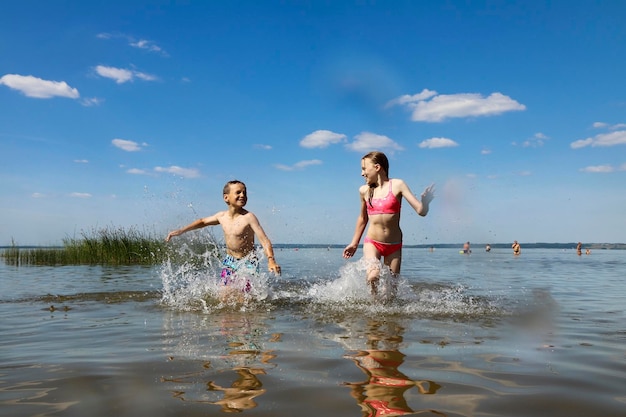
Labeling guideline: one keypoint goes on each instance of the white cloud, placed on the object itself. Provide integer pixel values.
(264, 147)
(145, 77)
(37, 195)
(128, 145)
(536, 141)
(603, 139)
(321, 139)
(298, 165)
(144, 44)
(182, 172)
(433, 143)
(80, 195)
(446, 106)
(408, 99)
(603, 169)
(38, 88)
(602, 125)
(147, 45)
(90, 102)
(366, 142)
(81, 161)
(122, 75)
(485, 152)
(136, 171)
(581, 143)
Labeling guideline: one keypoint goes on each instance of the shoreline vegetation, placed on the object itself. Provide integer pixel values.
(117, 246)
(107, 246)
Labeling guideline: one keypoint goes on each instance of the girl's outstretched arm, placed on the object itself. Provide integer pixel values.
(422, 206)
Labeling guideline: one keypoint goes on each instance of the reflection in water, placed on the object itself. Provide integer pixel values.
(234, 345)
(382, 393)
(240, 396)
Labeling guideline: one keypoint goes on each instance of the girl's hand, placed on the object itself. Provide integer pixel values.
(428, 194)
(349, 251)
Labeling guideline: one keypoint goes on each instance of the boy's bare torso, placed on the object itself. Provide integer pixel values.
(238, 232)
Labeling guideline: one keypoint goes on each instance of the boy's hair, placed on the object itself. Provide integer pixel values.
(378, 158)
(229, 183)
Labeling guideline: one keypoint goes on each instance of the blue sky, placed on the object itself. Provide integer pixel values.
(135, 114)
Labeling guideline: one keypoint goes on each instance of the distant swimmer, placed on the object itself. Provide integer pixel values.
(587, 251)
(517, 249)
(466, 248)
(488, 248)
(579, 249)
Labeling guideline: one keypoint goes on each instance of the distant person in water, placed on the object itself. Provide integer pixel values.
(466, 248)
(579, 248)
(488, 248)
(517, 249)
(240, 227)
(381, 199)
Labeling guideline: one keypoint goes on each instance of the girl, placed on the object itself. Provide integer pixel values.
(381, 199)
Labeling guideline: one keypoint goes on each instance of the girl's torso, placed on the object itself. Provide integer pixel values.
(383, 210)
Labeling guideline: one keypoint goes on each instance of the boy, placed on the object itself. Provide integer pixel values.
(239, 226)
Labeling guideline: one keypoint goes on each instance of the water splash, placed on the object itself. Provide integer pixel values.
(194, 284)
(192, 280)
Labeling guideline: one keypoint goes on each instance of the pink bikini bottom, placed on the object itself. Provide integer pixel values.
(385, 249)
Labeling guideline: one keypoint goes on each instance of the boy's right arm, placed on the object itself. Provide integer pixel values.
(198, 224)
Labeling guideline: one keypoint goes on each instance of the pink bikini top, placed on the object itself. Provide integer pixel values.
(386, 205)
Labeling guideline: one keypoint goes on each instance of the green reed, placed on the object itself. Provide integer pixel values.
(107, 246)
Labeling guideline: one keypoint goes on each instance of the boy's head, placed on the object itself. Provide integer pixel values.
(235, 193)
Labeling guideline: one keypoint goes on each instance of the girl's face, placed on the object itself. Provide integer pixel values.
(369, 171)
(237, 195)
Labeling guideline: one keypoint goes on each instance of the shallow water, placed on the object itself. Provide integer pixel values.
(487, 334)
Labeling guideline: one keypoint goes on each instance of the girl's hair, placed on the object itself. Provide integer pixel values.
(377, 158)
(233, 182)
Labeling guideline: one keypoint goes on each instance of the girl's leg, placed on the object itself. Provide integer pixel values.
(372, 259)
(394, 261)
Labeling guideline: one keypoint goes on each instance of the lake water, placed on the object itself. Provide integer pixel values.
(489, 334)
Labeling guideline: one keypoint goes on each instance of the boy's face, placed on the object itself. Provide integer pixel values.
(237, 195)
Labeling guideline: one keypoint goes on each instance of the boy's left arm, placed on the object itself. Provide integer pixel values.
(272, 266)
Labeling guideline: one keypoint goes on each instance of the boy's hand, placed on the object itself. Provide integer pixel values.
(273, 266)
(171, 234)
